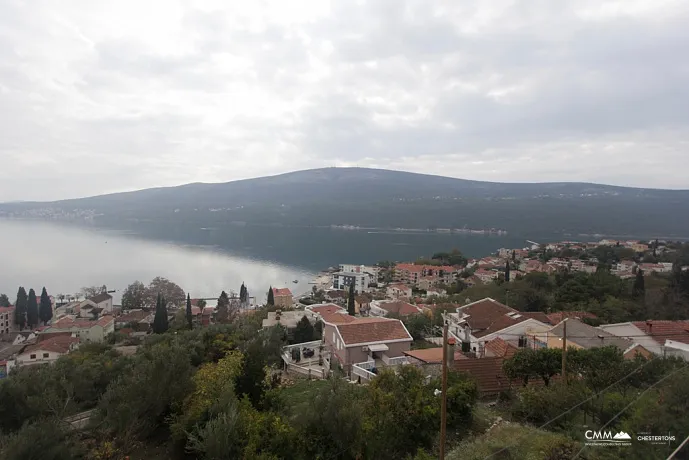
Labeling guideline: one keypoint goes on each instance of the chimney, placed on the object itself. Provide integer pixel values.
(450, 351)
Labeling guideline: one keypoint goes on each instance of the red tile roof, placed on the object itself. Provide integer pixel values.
(488, 316)
(367, 330)
(489, 375)
(68, 323)
(399, 308)
(537, 315)
(341, 317)
(661, 331)
(432, 355)
(500, 348)
(326, 309)
(7, 309)
(56, 344)
(556, 317)
(282, 292)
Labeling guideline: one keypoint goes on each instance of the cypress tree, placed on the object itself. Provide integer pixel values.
(45, 309)
(507, 272)
(32, 310)
(639, 289)
(514, 256)
(20, 308)
(4, 300)
(350, 301)
(189, 317)
(271, 298)
(242, 293)
(222, 314)
(160, 324)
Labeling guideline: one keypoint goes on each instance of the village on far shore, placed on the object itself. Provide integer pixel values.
(364, 318)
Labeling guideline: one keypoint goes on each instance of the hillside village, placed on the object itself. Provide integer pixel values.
(361, 336)
(367, 318)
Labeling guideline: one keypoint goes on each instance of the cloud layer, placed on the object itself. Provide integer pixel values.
(98, 97)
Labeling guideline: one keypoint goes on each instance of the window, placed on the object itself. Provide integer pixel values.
(33, 356)
(46, 355)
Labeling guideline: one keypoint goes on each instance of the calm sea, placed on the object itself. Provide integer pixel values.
(205, 261)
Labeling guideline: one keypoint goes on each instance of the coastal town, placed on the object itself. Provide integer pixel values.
(361, 319)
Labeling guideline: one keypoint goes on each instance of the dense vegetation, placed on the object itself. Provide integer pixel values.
(611, 298)
(214, 393)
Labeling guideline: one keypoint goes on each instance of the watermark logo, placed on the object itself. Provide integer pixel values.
(607, 438)
(663, 439)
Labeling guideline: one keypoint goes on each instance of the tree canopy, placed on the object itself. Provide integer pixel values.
(160, 320)
(32, 310)
(45, 310)
(134, 296)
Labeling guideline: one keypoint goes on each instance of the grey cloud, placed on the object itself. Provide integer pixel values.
(472, 88)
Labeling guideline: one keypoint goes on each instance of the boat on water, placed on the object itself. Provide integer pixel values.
(295, 281)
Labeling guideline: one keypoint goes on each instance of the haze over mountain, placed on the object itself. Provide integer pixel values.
(388, 199)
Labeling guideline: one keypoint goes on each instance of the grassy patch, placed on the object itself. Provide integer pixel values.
(299, 396)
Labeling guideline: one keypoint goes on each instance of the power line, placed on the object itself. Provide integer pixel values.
(574, 407)
(676, 451)
(678, 334)
(631, 403)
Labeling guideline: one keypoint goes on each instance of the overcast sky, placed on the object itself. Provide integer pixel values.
(100, 96)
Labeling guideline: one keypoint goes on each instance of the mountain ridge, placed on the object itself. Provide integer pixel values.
(390, 199)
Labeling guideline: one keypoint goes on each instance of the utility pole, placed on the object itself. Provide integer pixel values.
(443, 407)
(564, 351)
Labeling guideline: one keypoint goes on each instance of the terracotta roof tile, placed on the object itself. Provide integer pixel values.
(489, 375)
(100, 297)
(500, 348)
(58, 344)
(341, 317)
(399, 308)
(558, 316)
(488, 316)
(326, 309)
(661, 331)
(432, 355)
(366, 330)
(282, 291)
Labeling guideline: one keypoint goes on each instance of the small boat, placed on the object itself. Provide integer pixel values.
(295, 281)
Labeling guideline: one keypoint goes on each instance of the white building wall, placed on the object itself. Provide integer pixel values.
(39, 357)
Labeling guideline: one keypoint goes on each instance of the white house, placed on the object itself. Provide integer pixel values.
(370, 270)
(86, 330)
(342, 280)
(668, 338)
(104, 301)
(396, 291)
(47, 351)
(482, 321)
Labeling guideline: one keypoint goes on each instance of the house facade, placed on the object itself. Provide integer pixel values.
(342, 280)
(665, 338)
(85, 330)
(6, 320)
(396, 291)
(479, 322)
(369, 270)
(282, 297)
(104, 301)
(375, 340)
(413, 274)
(47, 351)
(396, 307)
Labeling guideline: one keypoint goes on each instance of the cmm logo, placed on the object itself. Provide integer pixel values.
(606, 437)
